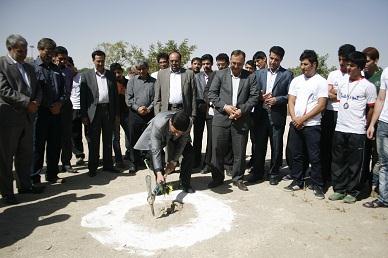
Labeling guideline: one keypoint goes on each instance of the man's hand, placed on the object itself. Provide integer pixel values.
(142, 110)
(32, 107)
(55, 108)
(298, 122)
(229, 109)
(85, 121)
(159, 178)
(370, 132)
(270, 101)
(236, 114)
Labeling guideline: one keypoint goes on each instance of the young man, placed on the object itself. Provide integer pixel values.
(381, 113)
(196, 64)
(306, 100)
(162, 59)
(356, 100)
(329, 117)
(260, 59)
(250, 66)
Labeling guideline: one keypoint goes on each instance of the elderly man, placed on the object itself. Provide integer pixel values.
(171, 130)
(233, 93)
(20, 97)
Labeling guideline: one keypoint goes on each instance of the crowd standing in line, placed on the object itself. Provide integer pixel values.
(338, 135)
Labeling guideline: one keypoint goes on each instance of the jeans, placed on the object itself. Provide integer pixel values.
(382, 149)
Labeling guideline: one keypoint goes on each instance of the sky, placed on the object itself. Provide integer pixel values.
(213, 26)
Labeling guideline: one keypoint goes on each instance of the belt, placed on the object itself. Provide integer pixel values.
(103, 105)
(175, 106)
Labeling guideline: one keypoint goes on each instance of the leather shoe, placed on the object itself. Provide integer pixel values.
(252, 178)
(111, 170)
(68, 168)
(240, 184)
(273, 180)
(34, 190)
(55, 180)
(92, 173)
(10, 199)
(188, 189)
(213, 184)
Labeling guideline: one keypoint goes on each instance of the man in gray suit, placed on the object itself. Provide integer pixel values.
(172, 130)
(99, 108)
(233, 93)
(269, 117)
(175, 88)
(20, 97)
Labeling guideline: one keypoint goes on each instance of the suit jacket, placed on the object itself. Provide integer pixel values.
(278, 112)
(162, 91)
(157, 135)
(202, 92)
(89, 95)
(220, 94)
(15, 94)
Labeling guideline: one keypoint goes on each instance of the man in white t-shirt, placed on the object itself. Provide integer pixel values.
(356, 102)
(329, 117)
(306, 100)
(381, 114)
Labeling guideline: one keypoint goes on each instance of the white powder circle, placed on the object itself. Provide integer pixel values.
(213, 217)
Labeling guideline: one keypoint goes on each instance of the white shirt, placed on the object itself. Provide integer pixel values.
(23, 73)
(75, 92)
(384, 86)
(235, 84)
(271, 77)
(307, 92)
(103, 93)
(175, 88)
(357, 95)
(155, 75)
(335, 78)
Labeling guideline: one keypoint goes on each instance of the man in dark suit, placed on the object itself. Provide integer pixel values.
(99, 110)
(20, 97)
(171, 130)
(269, 117)
(203, 79)
(233, 93)
(175, 88)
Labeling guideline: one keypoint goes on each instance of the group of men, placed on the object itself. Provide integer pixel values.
(43, 105)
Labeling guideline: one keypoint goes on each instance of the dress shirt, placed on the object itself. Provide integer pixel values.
(75, 91)
(235, 84)
(103, 94)
(175, 88)
(140, 92)
(271, 77)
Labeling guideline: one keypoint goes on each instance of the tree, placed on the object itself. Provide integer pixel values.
(323, 68)
(127, 55)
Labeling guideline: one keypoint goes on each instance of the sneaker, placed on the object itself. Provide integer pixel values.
(349, 199)
(337, 196)
(294, 186)
(318, 192)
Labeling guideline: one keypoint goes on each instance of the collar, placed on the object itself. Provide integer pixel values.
(98, 73)
(273, 72)
(13, 60)
(235, 77)
(178, 72)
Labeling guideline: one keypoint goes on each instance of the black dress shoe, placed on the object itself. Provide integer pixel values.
(253, 178)
(34, 190)
(188, 189)
(68, 168)
(240, 184)
(92, 173)
(273, 180)
(213, 184)
(111, 170)
(10, 199)
(55, 180)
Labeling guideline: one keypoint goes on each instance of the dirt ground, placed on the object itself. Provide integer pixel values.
(267, 222)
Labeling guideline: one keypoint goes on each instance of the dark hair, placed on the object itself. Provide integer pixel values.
(97, 53)
(161, 55)
(175, 51)
(196, 59)
(181, 121)
(46, 43)
(70, 60)
(237, 52)
(279, 51)
(115, 66)
(259, 55)
(223, 57)
(60, 50)
(372, 53)
(309, 55)
(250, 62)
(358, 58)
(207, 57)
(345, 50)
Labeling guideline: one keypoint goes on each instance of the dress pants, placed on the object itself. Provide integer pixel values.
(116, 136)
(187, 165)
(101, 122)
(305, 146)
(222, 138)
(77, 145)
(16, 144)
(199, 125)
(264, 130)
(66, 139)
(136, 126)
(47, 131)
